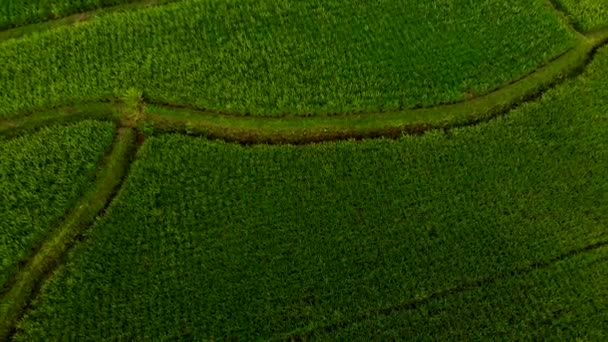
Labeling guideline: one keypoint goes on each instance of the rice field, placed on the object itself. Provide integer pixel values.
(209, 240)
(447, 182)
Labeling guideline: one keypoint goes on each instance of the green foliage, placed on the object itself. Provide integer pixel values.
(273, 57)
(20, 12)
(147, 129)
(133, 106)
(55, 244)
(565, 302)
(41, 176)
(210, 240)
(588, 14)
(132, 99)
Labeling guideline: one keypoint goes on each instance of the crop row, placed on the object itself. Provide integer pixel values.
(41, 176)
(272, 57)
(209, 240)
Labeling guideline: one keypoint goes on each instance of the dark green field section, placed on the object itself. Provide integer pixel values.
(567, 301)
(209, 240)
(586, 14)
(41, 176)
(274, 57)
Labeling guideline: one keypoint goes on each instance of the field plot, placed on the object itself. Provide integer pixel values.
(273, 57)
(41, 176)
(588, 14)
(213, 240)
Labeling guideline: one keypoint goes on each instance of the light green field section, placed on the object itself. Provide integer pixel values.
(273, 57)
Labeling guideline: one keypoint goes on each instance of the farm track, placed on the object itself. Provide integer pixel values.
(163, 117)
(444, 294)
(43, 261)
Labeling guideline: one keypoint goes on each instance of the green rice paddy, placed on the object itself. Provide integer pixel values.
(448, 182)
(587, 14)
(274, 241)
(275, 57)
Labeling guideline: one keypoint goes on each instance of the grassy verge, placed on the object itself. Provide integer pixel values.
(52, 249)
